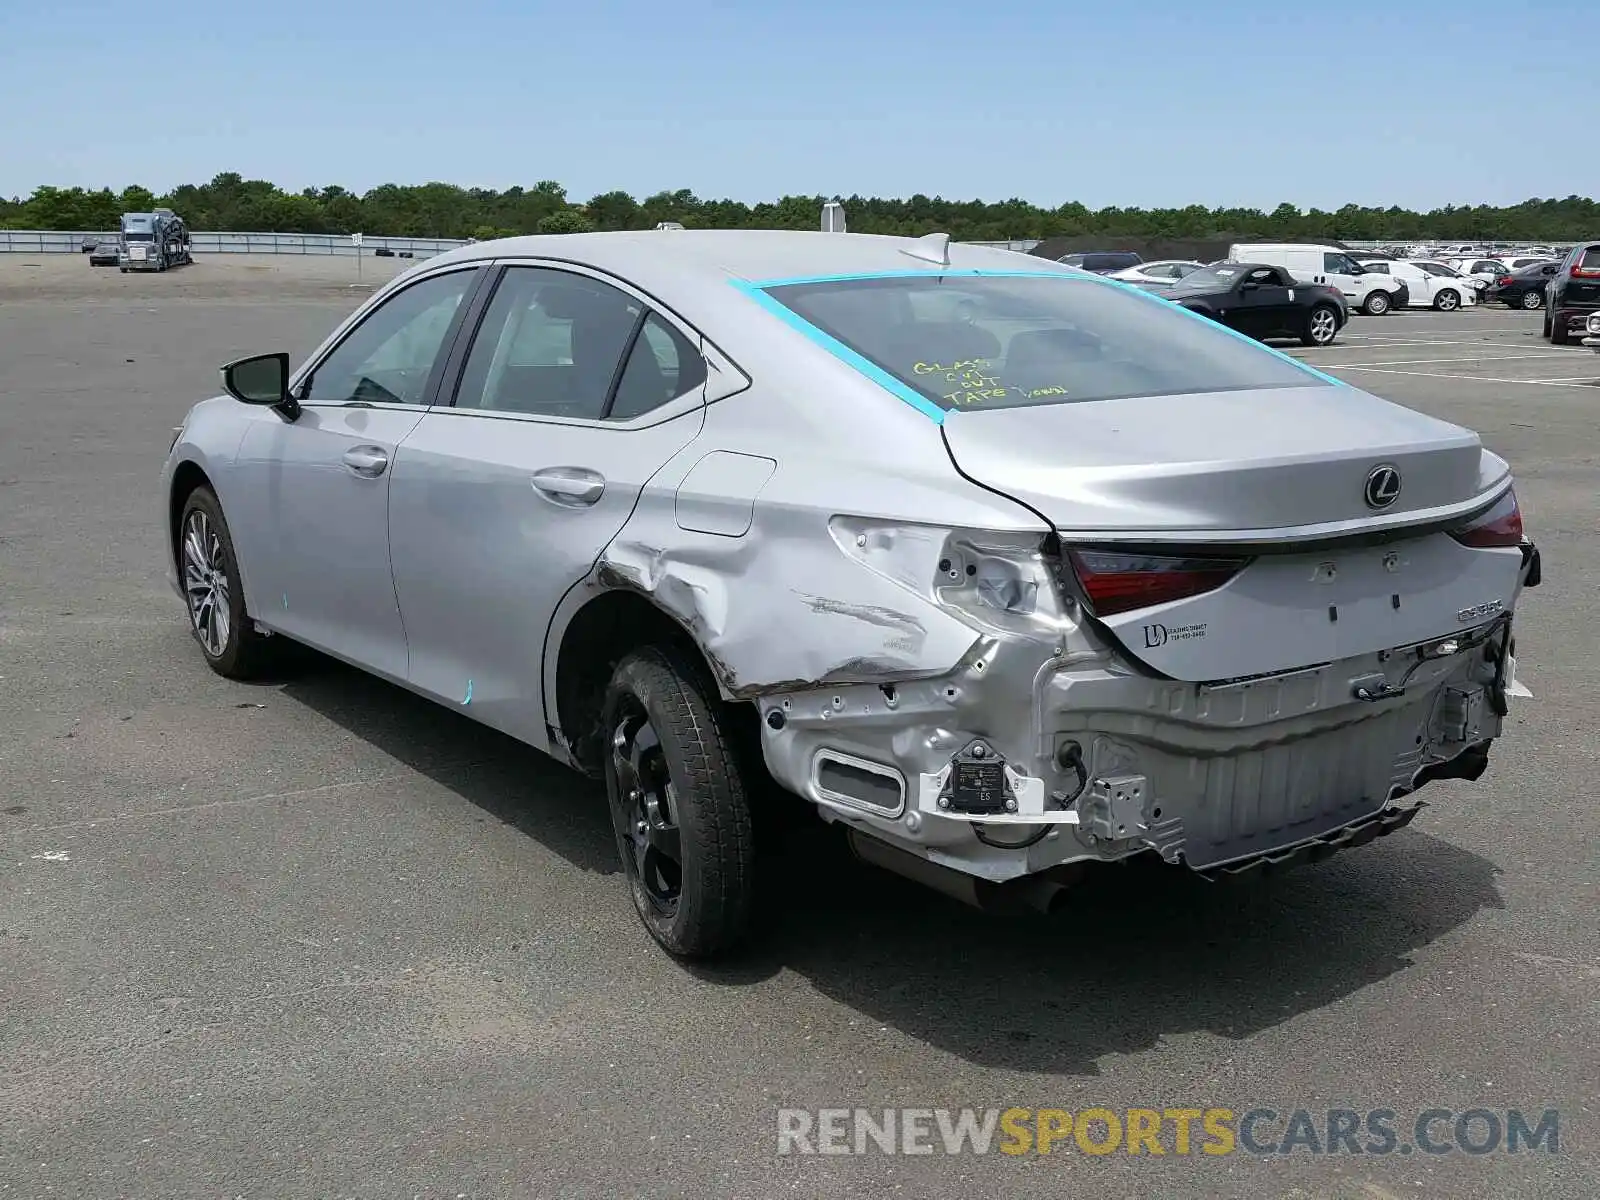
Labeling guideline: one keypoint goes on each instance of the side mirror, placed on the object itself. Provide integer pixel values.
(262, 379)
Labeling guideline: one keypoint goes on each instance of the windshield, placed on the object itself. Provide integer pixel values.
(1000, 341)
(1208, 277)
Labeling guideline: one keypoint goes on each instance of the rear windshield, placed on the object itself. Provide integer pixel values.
(1591, 258)
(977, 342)
(1112, 261)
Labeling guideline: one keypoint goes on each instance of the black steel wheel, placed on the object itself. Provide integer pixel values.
(652, 841)
(678, 805)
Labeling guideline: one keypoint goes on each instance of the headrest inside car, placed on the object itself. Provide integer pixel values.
(566, 303)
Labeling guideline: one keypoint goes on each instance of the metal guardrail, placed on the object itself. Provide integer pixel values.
(37, 241)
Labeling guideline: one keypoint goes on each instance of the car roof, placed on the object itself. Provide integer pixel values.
(674, 258)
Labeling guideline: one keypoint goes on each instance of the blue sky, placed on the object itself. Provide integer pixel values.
(1411, 102)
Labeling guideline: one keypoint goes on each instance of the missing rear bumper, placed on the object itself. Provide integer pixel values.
(1380, 824)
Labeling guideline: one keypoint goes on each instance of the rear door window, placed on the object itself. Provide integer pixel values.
(549, 345)
(971, 343)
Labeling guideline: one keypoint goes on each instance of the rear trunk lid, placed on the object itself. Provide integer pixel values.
(1264, 479)
(1274, 464)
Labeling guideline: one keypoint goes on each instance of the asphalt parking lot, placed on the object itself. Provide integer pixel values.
(322, 938)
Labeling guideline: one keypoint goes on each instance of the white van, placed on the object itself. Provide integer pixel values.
(1366, 291)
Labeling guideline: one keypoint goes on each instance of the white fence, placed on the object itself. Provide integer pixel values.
(35, 241)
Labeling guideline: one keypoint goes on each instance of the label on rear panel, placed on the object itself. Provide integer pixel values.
(1159, 634)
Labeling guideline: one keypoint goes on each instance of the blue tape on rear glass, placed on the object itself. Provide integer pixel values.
(840, 351)
(758, 291)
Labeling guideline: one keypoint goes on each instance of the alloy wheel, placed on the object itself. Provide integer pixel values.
(205, 583)
(1531, 300)
(647, 809)
(1323, 326)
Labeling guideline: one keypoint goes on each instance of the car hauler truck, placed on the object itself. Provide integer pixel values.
(153, 241)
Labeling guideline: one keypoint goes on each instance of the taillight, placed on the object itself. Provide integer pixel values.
(1500, 526)
(1584, 273)
(1117, 583)
(1503, 281)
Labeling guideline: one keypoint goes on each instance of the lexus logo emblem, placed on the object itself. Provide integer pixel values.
(1383, 486)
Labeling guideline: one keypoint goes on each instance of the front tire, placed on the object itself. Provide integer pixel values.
(1377, 304)
(1532, 300)
(1447, 301)
(679, 805)
(208, 569)
(1322, 326)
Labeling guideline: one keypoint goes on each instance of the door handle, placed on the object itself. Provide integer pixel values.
(366, 461)
(571, 487)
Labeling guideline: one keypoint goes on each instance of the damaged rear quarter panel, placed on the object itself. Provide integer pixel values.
(782, 607)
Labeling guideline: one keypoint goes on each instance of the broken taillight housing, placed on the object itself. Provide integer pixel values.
(1115, 582)
(1500, 526)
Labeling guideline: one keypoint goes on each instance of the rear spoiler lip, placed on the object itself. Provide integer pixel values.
(1294, 539)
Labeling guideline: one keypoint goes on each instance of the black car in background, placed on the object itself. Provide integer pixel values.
(1102, 262)
(1572, 293)
(1524, 287)
(104, 253)
(1262, 301)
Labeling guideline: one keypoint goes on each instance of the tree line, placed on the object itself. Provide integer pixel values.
(231, 203)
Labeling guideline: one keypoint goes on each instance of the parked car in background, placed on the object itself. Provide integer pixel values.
(1479, 266)
(1523, 288)
(87, 245)
(1102, 262)
(1137, 586)
(1162, 273)
(1572, 293)
(1424, 289)
(1262, 301)
(1371, 292)
(104, 253)
(1444, 270)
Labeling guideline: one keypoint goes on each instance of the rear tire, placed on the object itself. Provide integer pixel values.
(679, 804)
(208, 572)
(1377, 304)
(1447, 301)
(1558, 330)
(1322, 326)
(1532, 300)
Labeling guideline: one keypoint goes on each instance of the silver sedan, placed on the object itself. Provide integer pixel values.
(1005, 568)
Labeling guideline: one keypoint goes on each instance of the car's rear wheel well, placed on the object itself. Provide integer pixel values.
(604, 631)
(185, 479)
